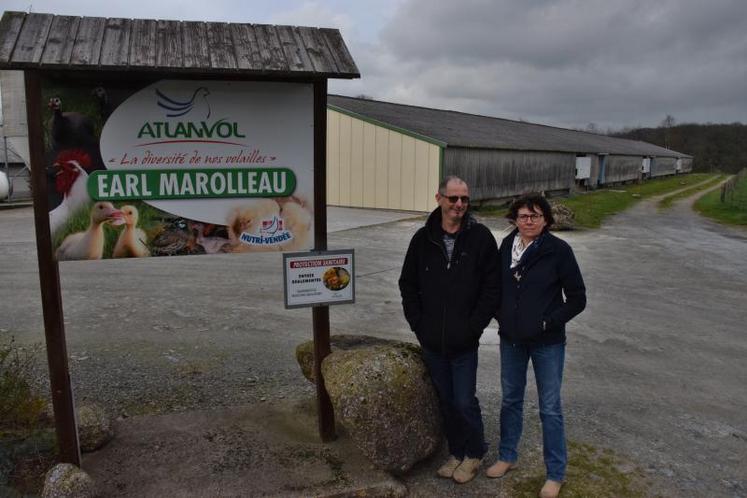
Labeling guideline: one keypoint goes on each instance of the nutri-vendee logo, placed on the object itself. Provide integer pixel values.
(272, 232)
(194, 125)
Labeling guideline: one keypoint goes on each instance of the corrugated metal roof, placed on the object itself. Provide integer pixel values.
(458, 129)
(46, 41)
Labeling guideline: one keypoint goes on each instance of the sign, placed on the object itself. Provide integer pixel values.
(179, 167)
(319, 278)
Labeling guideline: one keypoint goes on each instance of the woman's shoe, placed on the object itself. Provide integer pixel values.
(500, 469)
(551, 489)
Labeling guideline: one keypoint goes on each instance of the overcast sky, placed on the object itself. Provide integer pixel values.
(568, 63)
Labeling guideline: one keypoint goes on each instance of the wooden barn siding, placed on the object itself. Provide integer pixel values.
(619, 169)
(370, 166)
(663, 166)
(496, 174)
(687, 165)
(594, 176)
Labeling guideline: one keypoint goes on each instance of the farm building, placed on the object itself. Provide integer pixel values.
(392, 156)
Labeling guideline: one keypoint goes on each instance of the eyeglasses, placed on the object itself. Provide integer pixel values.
(526, 217)
(453, 198)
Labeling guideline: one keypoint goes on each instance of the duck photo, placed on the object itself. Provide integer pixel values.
(89, 244)
(132, 242)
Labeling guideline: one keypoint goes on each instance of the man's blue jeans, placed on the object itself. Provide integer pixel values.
(455, 380)
(548, 372)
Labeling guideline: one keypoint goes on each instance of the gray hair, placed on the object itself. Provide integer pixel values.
(445, 181)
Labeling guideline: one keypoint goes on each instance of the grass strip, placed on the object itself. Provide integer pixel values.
(597, 472)
(592, 208)
(667, 201)
(729, 213)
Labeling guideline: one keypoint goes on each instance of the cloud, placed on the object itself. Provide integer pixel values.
(566, 62)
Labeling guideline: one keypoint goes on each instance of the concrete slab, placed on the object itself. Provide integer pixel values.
(343, 218)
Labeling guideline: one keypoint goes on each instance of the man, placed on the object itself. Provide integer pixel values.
(450, 289)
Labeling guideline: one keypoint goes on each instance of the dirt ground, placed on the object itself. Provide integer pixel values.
(655, 366)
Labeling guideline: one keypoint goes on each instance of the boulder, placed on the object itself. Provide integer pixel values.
(305, 350)
(564, 217)
(383, 397)
(94, 427)
(65, 480)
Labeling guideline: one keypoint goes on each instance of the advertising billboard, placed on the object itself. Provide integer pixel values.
(179, 167)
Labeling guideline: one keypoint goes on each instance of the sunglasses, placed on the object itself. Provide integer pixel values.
(453, 198)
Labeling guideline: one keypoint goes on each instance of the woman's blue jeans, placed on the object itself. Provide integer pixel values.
(547, 361)
(455, 380)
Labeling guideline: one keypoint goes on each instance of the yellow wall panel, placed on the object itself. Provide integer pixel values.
(333, 157)
(369, 165)
(408, 173)
(421, 187)
(374, 167)
(382, 168)
(345, 154)
(395, 170)
(356, 163)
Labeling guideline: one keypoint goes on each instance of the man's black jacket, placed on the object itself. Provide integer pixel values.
(537, 297)
(448, 304)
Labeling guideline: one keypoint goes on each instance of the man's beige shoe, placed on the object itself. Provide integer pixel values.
(499, 469)
(447, 469)
(467, 470)
(551, 489)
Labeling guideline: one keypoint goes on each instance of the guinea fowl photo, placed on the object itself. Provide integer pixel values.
(70, 130)
(176, 238)
(132, 241)
(90, 243)
(70, 183)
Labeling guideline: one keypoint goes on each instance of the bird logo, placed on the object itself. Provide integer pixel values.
(270, 227)
(175, 108)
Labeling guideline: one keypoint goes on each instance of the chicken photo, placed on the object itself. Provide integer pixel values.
(248, 219)
(207, 236)
(132, 241)
(90, 243)
(70, 183)
(297, 220)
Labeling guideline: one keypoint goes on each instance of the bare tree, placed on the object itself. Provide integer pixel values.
(667, 123)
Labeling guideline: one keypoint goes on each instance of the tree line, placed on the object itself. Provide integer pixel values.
(714, 147)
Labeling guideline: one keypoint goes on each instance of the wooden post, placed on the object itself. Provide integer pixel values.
(49, 278)
(320, 314)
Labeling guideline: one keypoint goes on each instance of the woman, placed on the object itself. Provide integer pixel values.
(537, 270)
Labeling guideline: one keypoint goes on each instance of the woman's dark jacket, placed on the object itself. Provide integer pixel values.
(448, 304)
(532, 309)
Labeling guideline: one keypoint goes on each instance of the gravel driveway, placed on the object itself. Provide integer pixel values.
(655, 369)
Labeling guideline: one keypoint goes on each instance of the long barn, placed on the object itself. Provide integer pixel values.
(392, 156)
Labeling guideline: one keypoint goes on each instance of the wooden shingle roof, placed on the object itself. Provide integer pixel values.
(53, 42)
(458, 129)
